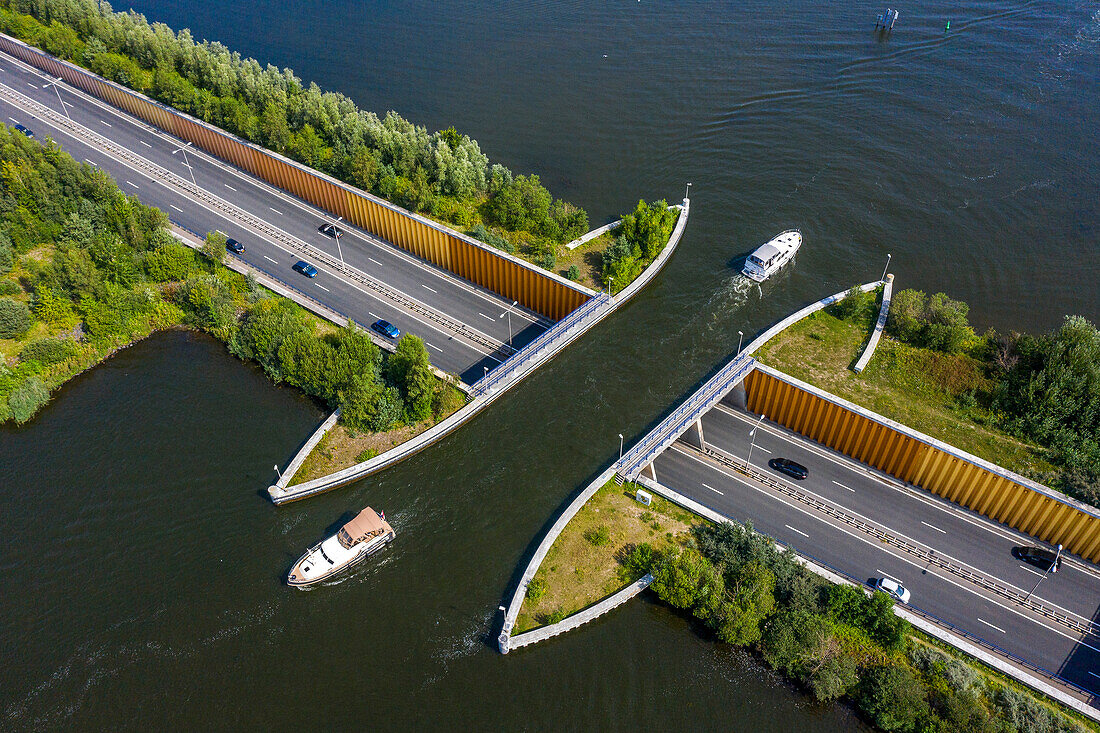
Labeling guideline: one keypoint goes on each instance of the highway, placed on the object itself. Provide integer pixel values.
(492, 327)
(923, 520)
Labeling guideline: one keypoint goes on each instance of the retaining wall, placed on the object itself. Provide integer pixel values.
(541, 291)
(925, 462)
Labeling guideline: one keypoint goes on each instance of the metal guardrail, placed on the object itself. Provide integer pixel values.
(248, 219)
(924, 555)
(683, 416)
(546, 338)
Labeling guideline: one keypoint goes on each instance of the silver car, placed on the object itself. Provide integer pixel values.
(893, 588)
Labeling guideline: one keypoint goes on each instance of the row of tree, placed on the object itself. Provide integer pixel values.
(833, 639)
(442, 174)
(85, 269)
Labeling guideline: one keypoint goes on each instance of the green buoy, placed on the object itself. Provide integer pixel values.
(948, 27)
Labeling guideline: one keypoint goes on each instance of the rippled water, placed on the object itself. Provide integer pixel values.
(144, 563)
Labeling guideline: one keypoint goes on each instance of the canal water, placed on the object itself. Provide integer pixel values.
(143, 563)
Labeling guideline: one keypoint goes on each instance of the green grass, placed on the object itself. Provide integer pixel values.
(926, 390)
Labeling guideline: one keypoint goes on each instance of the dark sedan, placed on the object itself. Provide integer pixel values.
(330, 230)
(24, 130)
(232, 245)
(789, 467)
(305, 268)
(386, 328)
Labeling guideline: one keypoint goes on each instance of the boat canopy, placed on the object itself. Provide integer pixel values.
(366, 524)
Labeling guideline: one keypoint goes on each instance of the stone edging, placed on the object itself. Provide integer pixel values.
(303, 453)
(869, 351)
(798, 315)
(284, 494)
(602, 230)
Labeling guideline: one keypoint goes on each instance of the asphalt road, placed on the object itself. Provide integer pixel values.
(478, 309)
(947, 529)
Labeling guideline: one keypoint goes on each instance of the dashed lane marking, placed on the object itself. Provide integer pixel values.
(90, 162)
(373, 315)
(432, 346)
(797, 531)
(427, 288)
(176, 208)
(105, 122)
(323, 288)
(998, 628)
(485, 316)
(229, 187)
(145, 143)
(131, 183)
(932, 526)
(844, 487)
(275, 210)
(270, 260)
(374, 261)
(713, 489)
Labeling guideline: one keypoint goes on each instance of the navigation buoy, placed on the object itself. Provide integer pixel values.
(948, 27)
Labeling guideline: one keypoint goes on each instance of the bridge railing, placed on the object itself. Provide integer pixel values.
(673, 426)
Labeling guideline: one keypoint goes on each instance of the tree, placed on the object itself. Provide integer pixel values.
(905, 318)
(892, 698)
(681, 578)
(214, 246)
(169, 262)
(751, 599)
(648, 227)
(411, 370)
(15, 318)
(522, 204)
(27, 398)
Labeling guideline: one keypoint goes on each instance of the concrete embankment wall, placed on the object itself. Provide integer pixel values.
(923, 461)
(541, 291)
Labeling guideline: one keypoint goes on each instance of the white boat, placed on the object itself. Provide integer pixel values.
(356, 540)
(768, 258)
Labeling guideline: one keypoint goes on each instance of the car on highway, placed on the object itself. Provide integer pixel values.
(1048, 560)
(24, 130)
(330, 230)
(789, 467)
(232, 245)
(305, 268)
(893, 588)
(386, 328)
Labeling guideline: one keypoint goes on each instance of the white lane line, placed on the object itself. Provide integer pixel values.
(14, 120)
(229, 187)
(713, 489)
(176, 208)
(145, 143)
(1036, 572)
(764, 449)
(932, 526)
(844, 487)
(323, 288)
(797, 530)
(105, 122)
(374, 261)
(32, 86)
(275, 210)
(998, 628)
(90, 162)
(427, 288)
(1097, 676)
(131, 183)
(485, 316)
(270, 260)
(432, 346)
(373, 315)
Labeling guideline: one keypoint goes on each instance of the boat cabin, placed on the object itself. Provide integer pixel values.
(765, 256)
(366, 525)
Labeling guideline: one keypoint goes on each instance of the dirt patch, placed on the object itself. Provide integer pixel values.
(340, 449)
(589, 261)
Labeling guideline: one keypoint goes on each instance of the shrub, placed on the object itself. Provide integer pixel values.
(15, 318)
(169, 262)
(892, 698)
(598, 536)
(573, 273)
(938, 322)
(9, 287)
(7, 258)
(536, 589)
(555, 617)
(366, 455)
(856, 305)
(548, 260)
(637, 560)
(27, 398)
(214, 246)
(48, 351)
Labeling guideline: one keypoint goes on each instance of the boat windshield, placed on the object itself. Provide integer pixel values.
(754, 260)
(345, 539)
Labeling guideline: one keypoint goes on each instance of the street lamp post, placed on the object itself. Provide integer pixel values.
(888, 256)
(59, 99)
(740, 335)
(752, 434)
(278, 472)
(186, 162)
(687, 191)
(610, 280)
(509, 314)
(620, 447)
(1053, 565)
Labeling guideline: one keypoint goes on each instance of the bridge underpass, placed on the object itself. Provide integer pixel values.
(429, 301)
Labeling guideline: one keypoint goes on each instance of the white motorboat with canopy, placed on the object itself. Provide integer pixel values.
(364, 535)
(769, 258)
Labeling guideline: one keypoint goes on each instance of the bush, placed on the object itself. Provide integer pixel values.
(856, 306)
(15, 318)
(169, 262)
(48, 351)
(7, 258)
(938, 322)
(598, 536)
(27, 399)
(573, 273)
(214, 246)
(892, 698)
(536, 589)
(9, 287)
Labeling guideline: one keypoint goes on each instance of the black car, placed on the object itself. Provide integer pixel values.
(24, 130)
(305, 268)
(1041, 557)
(330, 230)
(789, 467)
(234, 246)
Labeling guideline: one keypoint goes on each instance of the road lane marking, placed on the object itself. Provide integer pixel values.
(1097, 676)
(431, 346)
(485, 316)
(275, 210)
(176, 208)
(14, 120)
(373, 315)
(1036, 572)
(105, 122)
(270, 260)
(761, 448)
(89, 162)
(323, 288)
(374, 261)
(229, 187)
(844, 487)
(998, 628)
(427, 288)
(797, 530)
(132, 184)
(145, 143)
(713, 489)
(926, 524)
(32, 86)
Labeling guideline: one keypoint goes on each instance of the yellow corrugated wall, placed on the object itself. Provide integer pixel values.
(921, 464)
(480, 265)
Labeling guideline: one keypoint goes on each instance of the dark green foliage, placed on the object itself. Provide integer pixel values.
(938, 322)
(641, 237)
(170, 261)
(573, 273)
(15, 318)
(8, 287)
(892, 697)
(7, 257)
(27, 398)
(441, 174)
(536, 589)
(491, 238)
(48, 351)
(214, 246)
(874, 615)
(410, 369)
(856, 306)
(638, 560)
